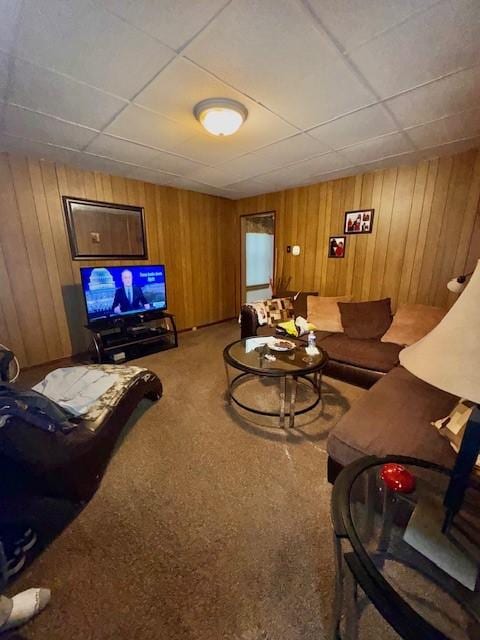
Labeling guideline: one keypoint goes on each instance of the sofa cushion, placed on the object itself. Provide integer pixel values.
(369, 354)
(394, 418)
(364, 320)
(412, 322)
(324, 313)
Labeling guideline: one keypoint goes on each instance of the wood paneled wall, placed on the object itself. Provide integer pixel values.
(426, 230)
(41, 306)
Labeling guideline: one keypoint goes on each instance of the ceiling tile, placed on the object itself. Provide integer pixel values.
(282, 59)
(126, 151)
(436, 42)
(242, 168)
(122, 150)
(211, 176)
(450, 148)
(179, 182)
(444, 97)
(83, 40)
(392, 161)
(49, 152)
(163, 95)
(10, 12)
(58, 95)
(215, 191)
(92, 162)
(279, 154)
(461, 125)
(148, 175)
(287, 151)
(356, 127)
(335, 175)
(174, 22)
(304, 172)
(376, 148)
(146, 127)
(353, 22)
(245, 188)
(3, 76)
(174, 164)
(34, 126)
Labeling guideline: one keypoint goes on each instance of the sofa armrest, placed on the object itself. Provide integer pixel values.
(248, 321)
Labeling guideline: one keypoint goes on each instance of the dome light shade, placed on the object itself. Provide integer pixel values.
(220, 116)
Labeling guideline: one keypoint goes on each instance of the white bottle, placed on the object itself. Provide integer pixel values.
(312, 339)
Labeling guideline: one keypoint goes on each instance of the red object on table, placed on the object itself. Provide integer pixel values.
(397, 478)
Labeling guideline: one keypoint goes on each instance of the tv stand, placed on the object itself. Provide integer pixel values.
(126, 339)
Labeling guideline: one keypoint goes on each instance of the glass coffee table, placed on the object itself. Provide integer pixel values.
(291, 368)
(383, 541)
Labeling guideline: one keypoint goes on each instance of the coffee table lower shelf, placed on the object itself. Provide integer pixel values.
(287, 409)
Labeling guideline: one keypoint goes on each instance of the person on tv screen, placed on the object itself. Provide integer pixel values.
(128, 297)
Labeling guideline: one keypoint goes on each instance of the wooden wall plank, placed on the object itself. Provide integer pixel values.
(412, 232)
(18, 269)
(36, 256)
(402, 206)
(13, 334)
(438, 210)
(372, 237)
(382, 223)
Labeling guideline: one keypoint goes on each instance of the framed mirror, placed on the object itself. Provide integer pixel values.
(103, 230)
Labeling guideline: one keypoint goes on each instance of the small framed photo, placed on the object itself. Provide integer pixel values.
(336, 246)
(359, 221)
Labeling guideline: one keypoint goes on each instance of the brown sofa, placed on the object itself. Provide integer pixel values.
(393, 417)
(360, 362)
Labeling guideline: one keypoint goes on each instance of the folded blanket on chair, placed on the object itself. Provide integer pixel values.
(76, 388)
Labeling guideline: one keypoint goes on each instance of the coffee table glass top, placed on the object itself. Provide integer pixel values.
(249, 355)
(391, 533)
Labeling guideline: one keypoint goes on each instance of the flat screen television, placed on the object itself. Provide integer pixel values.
(123, 292)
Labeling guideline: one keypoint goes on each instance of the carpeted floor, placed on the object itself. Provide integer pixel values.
(205, 526)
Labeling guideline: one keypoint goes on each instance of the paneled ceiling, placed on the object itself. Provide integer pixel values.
(333, 87)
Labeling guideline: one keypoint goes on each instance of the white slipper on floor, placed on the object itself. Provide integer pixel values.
(26, 605)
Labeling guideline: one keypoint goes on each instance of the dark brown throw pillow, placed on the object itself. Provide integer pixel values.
(300, 302)
(365, 320)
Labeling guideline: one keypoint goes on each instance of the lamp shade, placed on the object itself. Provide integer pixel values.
(449, 356)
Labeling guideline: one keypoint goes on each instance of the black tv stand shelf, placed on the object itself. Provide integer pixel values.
(121, 339)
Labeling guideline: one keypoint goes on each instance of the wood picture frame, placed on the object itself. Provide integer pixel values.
(337, 246)
(104, 230)
(358, 221)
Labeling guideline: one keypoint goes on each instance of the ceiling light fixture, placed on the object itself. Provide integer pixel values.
(220, 116)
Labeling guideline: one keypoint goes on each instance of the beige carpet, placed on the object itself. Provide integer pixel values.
(205, 527)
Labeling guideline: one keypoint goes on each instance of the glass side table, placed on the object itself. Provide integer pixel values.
(372, 524)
